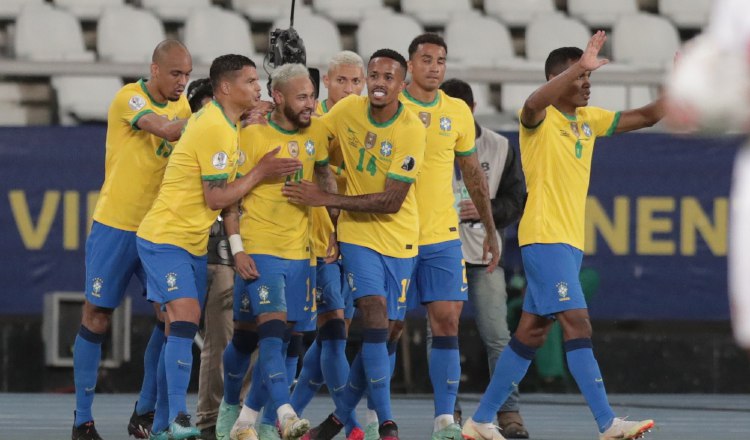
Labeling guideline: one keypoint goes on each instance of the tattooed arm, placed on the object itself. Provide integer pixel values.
(327, 182)
(476, 184)
(387, 202)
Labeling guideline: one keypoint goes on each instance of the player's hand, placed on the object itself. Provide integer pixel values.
(492, 247)
(304, 193)
(332, 253)
(467, 210)
(257, 116)
(270, 166)
(590, 60)
(244, 265)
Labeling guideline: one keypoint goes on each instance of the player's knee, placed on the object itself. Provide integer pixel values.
(374, 311)
(396, 328)
(96, 319)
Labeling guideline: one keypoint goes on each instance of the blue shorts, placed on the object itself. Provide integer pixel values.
(283, 286)
(368, 273)
(173, 272)
(111, 261)
(439, 274)
(309, 323)
(552, 275)
(329, 292)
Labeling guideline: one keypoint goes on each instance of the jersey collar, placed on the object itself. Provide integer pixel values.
(422, 103)
(151, 98)
(388, 122)
(216, 103)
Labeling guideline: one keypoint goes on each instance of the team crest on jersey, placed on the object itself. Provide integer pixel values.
(245, 303)
(293, 148)
(574, 129)
(96, 287)
(136, 102)
(445, 123)
(171, 281)
(310, 147)
(426, 118)
(241, 158)
(263, 294)
(586, 129)
(386, 148)
(408, 163)
(220, 160)
(562, 291)
(370, 140)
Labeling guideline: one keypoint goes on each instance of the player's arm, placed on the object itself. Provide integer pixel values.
(479, 191)
(243, 263)
(387, 202)
(534, 109)
(219, 194)
(642, 117)
(161, 127)
(327, 182)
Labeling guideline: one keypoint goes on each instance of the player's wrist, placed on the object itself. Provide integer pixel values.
(235, 244)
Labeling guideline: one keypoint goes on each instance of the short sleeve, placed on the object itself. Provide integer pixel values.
(247, 158)
(603, 122)
(321, 150)
(523, 127)
(465, 144)
(408, 152)
(214, 153)
(131, 106)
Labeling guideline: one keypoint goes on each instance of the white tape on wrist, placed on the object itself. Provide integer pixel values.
(235, 244)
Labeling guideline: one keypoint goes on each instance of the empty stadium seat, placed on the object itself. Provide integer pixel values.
(13, 114)
(174, 10)
(116, 40)
(266, 11)
(321, 36)
(687, 13)
(392, 31)
(212, 31)
(84, 98)
(9, 9)
(548, 32)
(348, 11)
(518, 13)
(482, 99)
(494, 48)
(513, 95)
(601, 13)
(644, 40)
(87, 9)
(435, 12)
(44, 33)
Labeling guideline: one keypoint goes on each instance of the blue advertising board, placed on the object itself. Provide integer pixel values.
(656, 227)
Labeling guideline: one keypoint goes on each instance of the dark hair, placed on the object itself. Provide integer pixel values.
(426, 38)
(389, 53)
(560, 57)
(227, 65)
(197, 91)
(460, 89)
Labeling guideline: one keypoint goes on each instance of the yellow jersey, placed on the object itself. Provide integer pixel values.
(270, 224)
(450, 133)
(374, 152)
(556, 159)
(135, 159)
(207, 150)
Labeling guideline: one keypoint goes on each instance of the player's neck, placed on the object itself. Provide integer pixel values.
(231, 111)
(420, 94)
(381, 115)
(278, 119)
(153, 92)
(565, 108)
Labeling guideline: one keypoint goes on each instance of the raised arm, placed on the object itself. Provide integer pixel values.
(387, 202)
(161, 126)
(476, 184)
(642, 117)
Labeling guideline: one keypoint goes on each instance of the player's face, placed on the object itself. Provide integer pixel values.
(579, 91)
(427, 66)
(385, 80)
(172, 73)
(344, 80)
(298, 101)
(245, 88)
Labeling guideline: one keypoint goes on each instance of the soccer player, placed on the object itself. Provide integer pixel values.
(557, 134)
(325, 361)
(439, 280)
(383, 147)
(276, 241)
(144, 120)
(487, 290)
(172, 239)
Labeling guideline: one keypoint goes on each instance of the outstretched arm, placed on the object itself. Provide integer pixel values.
(161, 127)
(387, 202)
(642, 117)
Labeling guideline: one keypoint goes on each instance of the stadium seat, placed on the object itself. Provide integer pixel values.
(213, 31)
(116, 41)
(87, 9)
(174, 10)
(518, 13)
(44, 33)
(435, 12)
(393, 31)
(495, 48)
(482, 99)
(9, 9)
(266, 11)
(321, 36)
(513, 95)
(601, 13)
(692, 14)
(609, 96)
(348, 12)
(13, 114)
(84, 98)
(644, 40)
(548, 32)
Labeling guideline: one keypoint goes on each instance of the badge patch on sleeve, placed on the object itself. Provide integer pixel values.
(137, 102)
(408, 164)
(220, 160)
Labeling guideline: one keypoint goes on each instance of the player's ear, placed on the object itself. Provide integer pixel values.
(225, 86)
(154, 70)
(409, 66)
(276, 96)
(326, 81)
